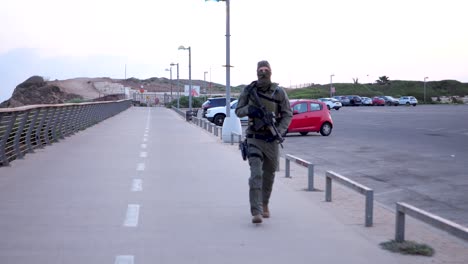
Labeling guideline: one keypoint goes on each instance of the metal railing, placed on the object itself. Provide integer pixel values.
(239, 137)
(24, 129)
(367, 192)
(431, 219)
(401, 209)
(308, 165)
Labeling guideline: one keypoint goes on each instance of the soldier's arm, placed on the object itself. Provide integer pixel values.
(242, 108)
(285, 112)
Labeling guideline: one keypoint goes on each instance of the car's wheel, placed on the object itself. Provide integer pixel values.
(389, 103)
(328, 107)
(304, 133)
(326, 129)
(218, 119)
(414, 104)
(407, 103)
(337, 108)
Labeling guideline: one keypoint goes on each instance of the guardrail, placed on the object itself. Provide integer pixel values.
(402, 208)
(431, 219)
(368, 192)
(235, 134)
(24, 129)
(308, 165)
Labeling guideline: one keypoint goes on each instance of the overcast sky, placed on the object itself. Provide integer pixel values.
(305, 40)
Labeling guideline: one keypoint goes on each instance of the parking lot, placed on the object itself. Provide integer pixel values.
(417, 155)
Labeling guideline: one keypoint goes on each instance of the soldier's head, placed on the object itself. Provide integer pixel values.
(263, 74)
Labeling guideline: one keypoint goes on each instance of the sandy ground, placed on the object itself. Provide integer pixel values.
(80, 86)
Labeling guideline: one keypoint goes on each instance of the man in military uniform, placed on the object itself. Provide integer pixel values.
(262, 144)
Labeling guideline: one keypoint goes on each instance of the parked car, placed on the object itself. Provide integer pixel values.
(389, 100)
(214, 102)
(354, 100)
(331, 103)
(366, 101)
(343, 99)
(217, 114)
(378, 101)
(310, 116)
(408, 100)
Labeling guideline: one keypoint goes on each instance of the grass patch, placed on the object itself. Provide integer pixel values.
(408, 248)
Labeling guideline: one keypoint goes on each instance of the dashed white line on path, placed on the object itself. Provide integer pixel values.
(140, 167)
(131, 219)
(124, 259)
(143, 146)
(137, 185)
(143, 154)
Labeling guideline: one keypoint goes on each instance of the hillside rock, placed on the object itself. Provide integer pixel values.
(37, 91)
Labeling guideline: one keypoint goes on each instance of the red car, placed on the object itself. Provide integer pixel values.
(310, 116)
(378, 101)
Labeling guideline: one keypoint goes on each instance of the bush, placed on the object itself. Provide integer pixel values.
(184, 102)
(408, 248)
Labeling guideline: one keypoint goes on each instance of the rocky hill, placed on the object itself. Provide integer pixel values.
(36, 90)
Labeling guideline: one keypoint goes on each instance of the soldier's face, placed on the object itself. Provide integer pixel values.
(263, 73)
(264, 69)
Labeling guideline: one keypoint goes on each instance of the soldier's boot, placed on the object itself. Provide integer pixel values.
(266, 211)
(257, 219)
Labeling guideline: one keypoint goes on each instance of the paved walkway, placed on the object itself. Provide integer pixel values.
(148, 187)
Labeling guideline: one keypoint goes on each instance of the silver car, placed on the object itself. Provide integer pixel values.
(408, 100)
(331, 103)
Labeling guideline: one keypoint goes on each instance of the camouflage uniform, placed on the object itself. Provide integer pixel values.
(263, 150)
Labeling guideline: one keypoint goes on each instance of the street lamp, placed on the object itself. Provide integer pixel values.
(190, 75)
(204, 80)
(228, 61)
(170, 70)
(230, 125)
(331, 84)
(178, 88)
(425, 78)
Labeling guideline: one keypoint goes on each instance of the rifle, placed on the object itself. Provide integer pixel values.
(268, 118)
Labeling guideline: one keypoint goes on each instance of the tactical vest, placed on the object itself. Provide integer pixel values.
(269, 100)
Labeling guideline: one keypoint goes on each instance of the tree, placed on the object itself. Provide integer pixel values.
(383, 80)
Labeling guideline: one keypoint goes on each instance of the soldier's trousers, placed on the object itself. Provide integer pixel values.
(262, 175)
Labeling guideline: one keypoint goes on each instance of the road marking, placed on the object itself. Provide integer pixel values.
(137, 185)
(124, 259)
(143, 154)
(131, 219)
(145, 135)
(143, 146)
(140, 167)
(145, 139)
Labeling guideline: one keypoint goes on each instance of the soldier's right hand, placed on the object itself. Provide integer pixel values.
(255, 112)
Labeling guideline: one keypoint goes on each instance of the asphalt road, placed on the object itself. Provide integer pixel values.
(417, 155)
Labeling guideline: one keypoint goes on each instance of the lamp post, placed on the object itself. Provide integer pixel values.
(178, 88)
(425, 78)
(331, 84)
(204, 80)
(228, 62)
(170, 70)
(190, 74)
(230, 124)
